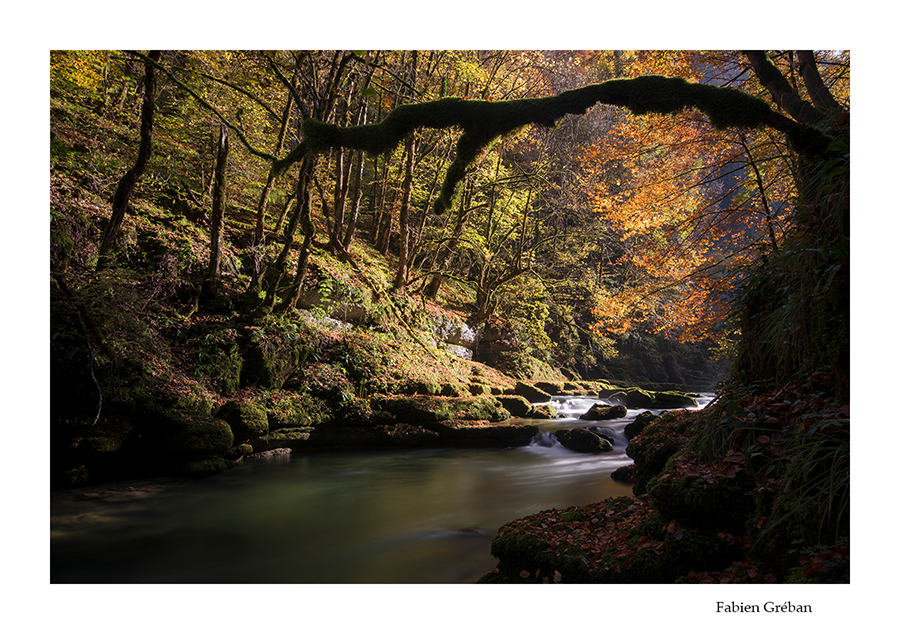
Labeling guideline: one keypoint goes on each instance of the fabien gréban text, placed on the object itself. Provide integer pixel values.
(769, 606)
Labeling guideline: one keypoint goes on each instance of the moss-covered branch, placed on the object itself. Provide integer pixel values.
(484, 121)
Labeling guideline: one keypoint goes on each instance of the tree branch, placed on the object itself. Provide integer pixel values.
(208, 106)
(818, 92)
(484, 121)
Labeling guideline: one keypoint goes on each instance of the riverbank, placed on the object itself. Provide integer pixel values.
(753, 489)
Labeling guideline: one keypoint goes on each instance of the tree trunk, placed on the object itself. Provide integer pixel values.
(464, 210)
(357, 198)
(309, 232)
(129, 180)
(818, 92)
(781, 90)
(400, 278)
(270, 181)
(276, 274)
(217, 220)
(762, 193)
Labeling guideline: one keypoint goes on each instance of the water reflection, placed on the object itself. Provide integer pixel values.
(402, 516)
(418, 516)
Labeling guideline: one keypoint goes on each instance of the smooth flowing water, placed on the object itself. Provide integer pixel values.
(414, 516)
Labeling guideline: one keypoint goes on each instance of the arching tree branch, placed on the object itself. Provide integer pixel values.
(484, 121)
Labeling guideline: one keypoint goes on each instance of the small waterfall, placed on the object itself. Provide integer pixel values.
(573, 406)
(544, 439)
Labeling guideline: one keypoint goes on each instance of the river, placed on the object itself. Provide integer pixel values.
(393, 516)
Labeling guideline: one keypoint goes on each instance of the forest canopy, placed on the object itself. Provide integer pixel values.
(584, 198)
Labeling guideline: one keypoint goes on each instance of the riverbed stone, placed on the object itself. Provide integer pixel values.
(598, 411)
(463, 433)
(532, 393)
(419, 409)
(672, 400)
(517, 405)
(636, 426)
(583, 441)
(544, 411)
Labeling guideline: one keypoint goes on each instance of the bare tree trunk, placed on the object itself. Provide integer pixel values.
(129, 180)
(357, 198)
(781, 90)
(309, 232)
(818, 92)
(762, 193)
(400, 278)
(270, 181)
(217, 220)
(434, 285)
(277, 272)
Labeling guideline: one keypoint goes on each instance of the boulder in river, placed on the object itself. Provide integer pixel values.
(640, 421)
(599, 411)
(515, 404)
(543, 411)
(583, 441)
(672, 400)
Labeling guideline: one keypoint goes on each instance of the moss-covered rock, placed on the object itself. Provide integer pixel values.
(394, 435)
(659, 441)
(544, 411)
(274, 351)
(238, 452)
(465, 433)
(583, 441)
(624, 474)
(207, 467)
(453, 389)
(477, 389)
(247, 420)
(706, 495)
(672, 400)
(517, 405)
(632, 398)
(636, 426)
(288, 437)
(219, 358)
(532, 393)
(292, 409)
(604, 412)
(551, 388)
(188, 432)
(416, 410)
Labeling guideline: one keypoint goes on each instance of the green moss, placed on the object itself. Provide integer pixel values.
(710, 502)
(103, 444)
(219, 359)
(188, 432)
(515, 404)
(246, 419)
(276, 349)
(207, 467)
(239, 451)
